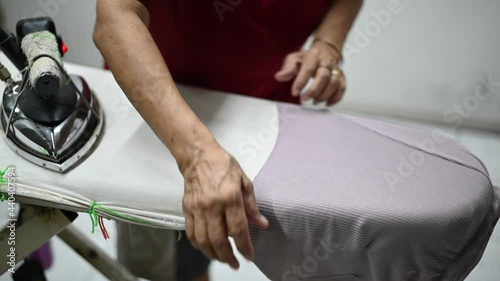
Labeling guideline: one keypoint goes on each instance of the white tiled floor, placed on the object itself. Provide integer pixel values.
(69, 266)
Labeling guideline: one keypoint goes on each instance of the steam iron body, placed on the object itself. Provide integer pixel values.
(58, 145)
(49, 118)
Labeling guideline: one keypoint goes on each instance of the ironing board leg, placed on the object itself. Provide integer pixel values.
(94, 255)
(39, 225)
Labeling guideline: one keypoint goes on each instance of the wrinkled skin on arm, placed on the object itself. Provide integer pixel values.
(219, 200)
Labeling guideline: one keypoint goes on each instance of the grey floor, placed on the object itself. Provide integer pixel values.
(69, 266)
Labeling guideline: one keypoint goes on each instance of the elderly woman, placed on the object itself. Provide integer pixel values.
(247, 47)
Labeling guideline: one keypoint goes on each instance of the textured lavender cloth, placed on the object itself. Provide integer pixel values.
(355, 199)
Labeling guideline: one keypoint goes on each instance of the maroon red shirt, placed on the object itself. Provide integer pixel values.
(233, 45)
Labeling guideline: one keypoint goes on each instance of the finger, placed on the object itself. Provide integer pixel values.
(290, 67)
(202, 239)
(251, 208)
(237, 225)
(189, 222)
(190, 230)
(219, 239)
(307, 70)
(339, 94)
(321, 81)
(329, 91)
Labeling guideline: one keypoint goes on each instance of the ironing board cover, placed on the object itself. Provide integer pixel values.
(348, 198)
(351, 199)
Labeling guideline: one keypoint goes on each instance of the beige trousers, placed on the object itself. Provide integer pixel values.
(147, 252)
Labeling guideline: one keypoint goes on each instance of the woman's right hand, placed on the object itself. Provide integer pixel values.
(219, 201)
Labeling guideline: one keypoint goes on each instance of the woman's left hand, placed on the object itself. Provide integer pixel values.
(321, 63)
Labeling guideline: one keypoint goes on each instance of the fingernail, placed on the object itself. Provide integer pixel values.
(249, 258)
(264, 220)
(281, 72)
(235, 266)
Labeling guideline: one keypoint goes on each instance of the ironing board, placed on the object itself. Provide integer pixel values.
(348, 198)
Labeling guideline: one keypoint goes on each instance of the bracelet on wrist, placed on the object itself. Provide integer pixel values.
(331, 45)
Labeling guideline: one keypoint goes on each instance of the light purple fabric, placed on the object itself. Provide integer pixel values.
(355, 199)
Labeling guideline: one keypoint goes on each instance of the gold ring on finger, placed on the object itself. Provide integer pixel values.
(338, 72)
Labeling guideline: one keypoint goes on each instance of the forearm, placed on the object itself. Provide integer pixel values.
(138, 66)
(338, 21)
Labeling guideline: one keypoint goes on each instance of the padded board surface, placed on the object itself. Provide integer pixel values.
(348, 198)
(131, 171)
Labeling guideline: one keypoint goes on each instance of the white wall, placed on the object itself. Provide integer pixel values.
(427, 59)
(74, 21)
(424, 63)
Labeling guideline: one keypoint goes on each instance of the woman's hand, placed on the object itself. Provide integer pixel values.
(219, 201)
(321, 63)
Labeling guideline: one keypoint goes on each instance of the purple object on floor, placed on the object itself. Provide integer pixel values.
(44, 255)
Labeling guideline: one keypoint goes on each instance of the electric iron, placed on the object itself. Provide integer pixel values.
(48, 117)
